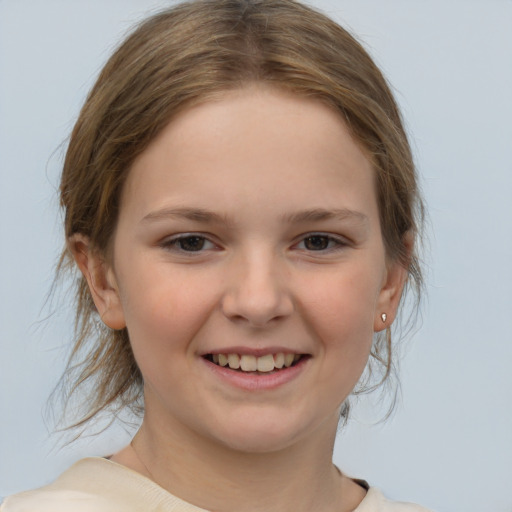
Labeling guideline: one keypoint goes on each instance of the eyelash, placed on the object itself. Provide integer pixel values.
(176, 243)
(333, 243)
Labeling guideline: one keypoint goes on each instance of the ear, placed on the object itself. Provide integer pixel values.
(389, 295)
(101, 280)
(393, 286)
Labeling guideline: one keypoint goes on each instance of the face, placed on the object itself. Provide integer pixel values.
(249, 268)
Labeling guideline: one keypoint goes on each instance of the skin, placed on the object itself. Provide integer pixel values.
(283, 206)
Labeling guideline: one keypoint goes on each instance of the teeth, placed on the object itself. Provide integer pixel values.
(288, 360)
(234, 361)
(250, 363)
(266, 363)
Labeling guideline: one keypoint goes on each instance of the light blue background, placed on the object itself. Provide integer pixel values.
(449, 446)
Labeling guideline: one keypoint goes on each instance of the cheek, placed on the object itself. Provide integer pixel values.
(165, 312)
(163, 324)
(341, 311)
(347, 299)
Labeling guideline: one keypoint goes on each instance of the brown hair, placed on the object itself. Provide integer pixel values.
(186, 55)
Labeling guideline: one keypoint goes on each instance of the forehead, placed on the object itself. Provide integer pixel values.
(256, 143)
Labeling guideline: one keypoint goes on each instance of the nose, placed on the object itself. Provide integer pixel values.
(257, 292)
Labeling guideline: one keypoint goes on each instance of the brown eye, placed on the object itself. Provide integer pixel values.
(191, 243)
(317, 243)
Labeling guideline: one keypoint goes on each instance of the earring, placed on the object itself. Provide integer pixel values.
(384, 317)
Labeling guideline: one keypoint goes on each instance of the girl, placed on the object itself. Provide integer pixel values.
(241, 201)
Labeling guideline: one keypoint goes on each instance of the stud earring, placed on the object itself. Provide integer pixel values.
(384, 317)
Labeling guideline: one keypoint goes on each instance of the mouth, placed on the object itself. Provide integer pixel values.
(265, 364)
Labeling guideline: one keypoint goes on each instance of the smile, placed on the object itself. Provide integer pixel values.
(250, 363)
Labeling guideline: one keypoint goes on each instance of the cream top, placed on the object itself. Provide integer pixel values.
(99, 485)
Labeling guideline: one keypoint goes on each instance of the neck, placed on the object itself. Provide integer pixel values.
(300, 477)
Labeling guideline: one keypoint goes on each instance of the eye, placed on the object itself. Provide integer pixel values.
(188, 243)
(320, 242)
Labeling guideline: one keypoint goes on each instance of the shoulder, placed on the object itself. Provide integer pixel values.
(97, 485)
(48, 500)
(376, 502)
(72, 490)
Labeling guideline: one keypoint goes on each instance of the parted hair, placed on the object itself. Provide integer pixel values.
(186, 55)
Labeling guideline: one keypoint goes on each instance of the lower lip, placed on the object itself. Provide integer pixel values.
(257, 381)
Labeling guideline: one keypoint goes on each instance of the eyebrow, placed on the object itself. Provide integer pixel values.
(193, 214)
(209, 217)
(321, 214)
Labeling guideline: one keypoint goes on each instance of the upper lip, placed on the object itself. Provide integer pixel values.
(257, 352)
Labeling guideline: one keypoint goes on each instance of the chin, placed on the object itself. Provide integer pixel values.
(260, 435)
(259, 443)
